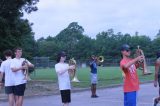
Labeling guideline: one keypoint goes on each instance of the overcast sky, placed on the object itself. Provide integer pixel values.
(126, 16)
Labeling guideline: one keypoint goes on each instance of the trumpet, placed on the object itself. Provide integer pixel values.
(100, 59)
(142, 63)
(72, 61)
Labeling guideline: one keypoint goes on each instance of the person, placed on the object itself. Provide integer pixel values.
(62, 69)
(9, 77)
(157, 77)
(93, 74)
(1, 77)
(19, 81)
(131, 81)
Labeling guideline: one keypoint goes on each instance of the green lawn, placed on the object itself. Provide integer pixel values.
(107, 76)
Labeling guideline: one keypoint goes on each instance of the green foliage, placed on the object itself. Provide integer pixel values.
(15, 31)
(107, 43)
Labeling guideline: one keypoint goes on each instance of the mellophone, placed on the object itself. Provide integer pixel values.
(72, 61)
(27, 70)
(142, 63)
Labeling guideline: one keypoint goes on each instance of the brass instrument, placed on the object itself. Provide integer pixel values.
(100, 59)
(26, 71)
(143, 63)
(72, 61)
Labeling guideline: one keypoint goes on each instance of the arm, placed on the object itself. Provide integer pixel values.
(14, 69)
(157, 65)
(29, 64)
(127, 65)
(1, 76)
(60, 72)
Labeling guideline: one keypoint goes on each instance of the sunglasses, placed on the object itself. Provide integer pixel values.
(128, 50)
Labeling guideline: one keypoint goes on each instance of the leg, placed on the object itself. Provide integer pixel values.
(66, 104)
(156, 100)
(19, 100)
(93, 85)
(11, 99)
(9, 90)
(92, 90)
(130, 98)
(66, 97)
(19, 94)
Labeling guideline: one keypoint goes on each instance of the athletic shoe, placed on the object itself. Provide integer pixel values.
(94, 96)
(155, 102)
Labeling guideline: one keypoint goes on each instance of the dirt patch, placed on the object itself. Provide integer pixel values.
(40, 88)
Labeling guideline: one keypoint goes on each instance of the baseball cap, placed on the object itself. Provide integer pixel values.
(62, 54)
(125, 47)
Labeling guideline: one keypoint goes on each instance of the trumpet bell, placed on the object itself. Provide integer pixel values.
(100, 59)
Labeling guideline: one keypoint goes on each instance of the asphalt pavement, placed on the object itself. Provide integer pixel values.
(107, 97)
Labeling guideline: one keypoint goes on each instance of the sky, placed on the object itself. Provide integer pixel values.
(126, 16)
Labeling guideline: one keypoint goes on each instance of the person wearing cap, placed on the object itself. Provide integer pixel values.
(62, 69)
(157, 77)
(131, 81)
(93, 67)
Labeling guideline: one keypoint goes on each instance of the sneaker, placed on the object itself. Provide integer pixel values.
(94, 96)
(155, 102)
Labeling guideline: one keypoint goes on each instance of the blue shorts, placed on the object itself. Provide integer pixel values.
(130, 98)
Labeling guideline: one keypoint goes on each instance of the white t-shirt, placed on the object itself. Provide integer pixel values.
(63, 79)
(19, 75)
(9, 75)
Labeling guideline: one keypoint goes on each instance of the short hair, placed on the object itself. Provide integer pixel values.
(8, 53)
(17, 48)
(59, 55)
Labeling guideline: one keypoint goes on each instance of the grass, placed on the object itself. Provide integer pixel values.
(107, 76)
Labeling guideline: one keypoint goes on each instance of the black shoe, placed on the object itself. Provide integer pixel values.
(94, 96)
(155, 102)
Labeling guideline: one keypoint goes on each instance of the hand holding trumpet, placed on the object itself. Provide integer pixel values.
(141, 61)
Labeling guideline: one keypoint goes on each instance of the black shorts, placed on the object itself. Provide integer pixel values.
(66, 96)
(19, 90)
(9, 89)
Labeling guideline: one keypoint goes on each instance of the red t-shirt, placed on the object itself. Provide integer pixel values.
(131, 81)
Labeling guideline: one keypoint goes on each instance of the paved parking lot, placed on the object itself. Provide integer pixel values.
(107, 97)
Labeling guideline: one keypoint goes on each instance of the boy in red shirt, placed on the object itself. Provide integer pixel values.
(131, 81)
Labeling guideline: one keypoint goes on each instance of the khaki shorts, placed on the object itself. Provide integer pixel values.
(93, 78)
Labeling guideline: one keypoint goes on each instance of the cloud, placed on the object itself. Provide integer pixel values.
(96, 16)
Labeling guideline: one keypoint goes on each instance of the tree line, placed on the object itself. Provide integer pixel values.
(107, 43)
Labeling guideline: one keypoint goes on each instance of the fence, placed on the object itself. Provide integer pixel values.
(45, 62)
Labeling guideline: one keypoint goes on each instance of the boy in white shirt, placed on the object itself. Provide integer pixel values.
(9, 77)
(62, 69)
(18, 69)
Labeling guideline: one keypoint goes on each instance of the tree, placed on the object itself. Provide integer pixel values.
(69, 37)
(15, 31)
